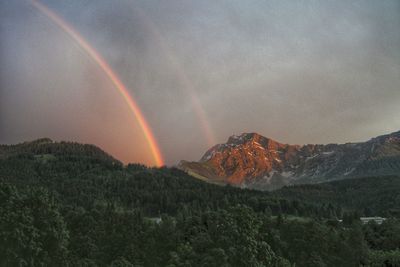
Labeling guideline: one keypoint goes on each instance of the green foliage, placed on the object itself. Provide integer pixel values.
(84, 176)
(224, 238)
(100, 213)
(385, 236)
(384, 258)
(371, 196)
(32, 231)
(315, 243)
(121, 262)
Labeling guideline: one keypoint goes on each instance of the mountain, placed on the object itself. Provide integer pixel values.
(77, 206)
(45, 149)
(254, 161)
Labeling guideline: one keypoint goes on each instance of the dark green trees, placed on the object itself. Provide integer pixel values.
(230, 237)
(72, 205)
(32, 232)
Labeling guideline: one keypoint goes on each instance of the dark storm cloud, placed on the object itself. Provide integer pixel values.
(297, 71)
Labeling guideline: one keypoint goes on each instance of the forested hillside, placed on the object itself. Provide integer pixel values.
(66, 204)
(370, 196)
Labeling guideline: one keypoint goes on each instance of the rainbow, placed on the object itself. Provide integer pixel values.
(99, 60)
(187, 84)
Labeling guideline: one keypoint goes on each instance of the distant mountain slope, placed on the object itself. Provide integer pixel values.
(371, 195)
(84, 173)
(251, 160)
(47, 149)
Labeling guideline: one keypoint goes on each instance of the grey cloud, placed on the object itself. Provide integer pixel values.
(297, 71)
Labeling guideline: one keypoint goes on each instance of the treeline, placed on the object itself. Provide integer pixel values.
(65, 204)
(37, 231)
(370, 196)
(78, 178)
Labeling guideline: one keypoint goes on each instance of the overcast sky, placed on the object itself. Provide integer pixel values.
(295, 71)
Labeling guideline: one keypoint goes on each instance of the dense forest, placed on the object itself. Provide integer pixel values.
(67, 204)
(371, 196)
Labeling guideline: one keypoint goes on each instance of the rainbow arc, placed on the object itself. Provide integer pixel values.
(113, 77)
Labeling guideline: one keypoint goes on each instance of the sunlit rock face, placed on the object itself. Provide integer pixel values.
(254, 161)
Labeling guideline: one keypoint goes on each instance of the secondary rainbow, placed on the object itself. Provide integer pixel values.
(100, 61)
(183, 78)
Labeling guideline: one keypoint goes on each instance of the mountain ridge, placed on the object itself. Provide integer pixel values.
(46, 148)
(254, 161)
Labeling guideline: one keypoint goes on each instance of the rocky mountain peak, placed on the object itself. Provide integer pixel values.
(252, 160)
(254, 139)
(244, 141)
(244, 138)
